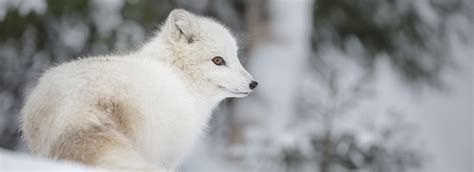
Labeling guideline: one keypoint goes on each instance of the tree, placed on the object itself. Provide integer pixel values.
(349, 40)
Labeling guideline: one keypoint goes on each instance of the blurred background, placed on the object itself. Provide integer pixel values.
(366, 85)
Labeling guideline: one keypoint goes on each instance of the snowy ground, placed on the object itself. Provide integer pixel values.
(16, 162)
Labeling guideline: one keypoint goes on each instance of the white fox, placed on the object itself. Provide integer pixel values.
(142, 110)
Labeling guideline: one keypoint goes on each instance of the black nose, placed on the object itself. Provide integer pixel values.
(253, 84)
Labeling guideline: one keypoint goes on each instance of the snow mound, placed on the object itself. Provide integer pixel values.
(10, 161)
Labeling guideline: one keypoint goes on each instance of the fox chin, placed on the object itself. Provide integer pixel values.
(139, 111)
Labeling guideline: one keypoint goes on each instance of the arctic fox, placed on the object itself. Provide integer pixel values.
(143, 110)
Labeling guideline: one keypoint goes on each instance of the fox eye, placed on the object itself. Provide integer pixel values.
(219, 61)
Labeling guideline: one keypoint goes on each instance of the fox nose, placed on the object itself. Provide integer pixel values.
(253, 84)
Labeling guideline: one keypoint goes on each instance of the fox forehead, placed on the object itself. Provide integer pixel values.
(214, 35)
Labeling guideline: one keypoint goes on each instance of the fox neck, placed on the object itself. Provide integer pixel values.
(203, 95)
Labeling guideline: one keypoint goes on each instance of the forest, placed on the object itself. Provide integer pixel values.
(368, 85)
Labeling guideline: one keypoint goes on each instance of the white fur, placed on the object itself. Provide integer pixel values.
(171, 81)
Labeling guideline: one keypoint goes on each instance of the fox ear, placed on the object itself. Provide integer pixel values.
(180, 25)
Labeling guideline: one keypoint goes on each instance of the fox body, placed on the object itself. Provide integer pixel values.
(142, 110)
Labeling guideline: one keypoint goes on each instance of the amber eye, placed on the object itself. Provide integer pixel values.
(219, 61)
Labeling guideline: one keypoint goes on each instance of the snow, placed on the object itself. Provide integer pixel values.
(13, 162)
(73, 33)
(27, 6)
(23, 6)
(106, 15)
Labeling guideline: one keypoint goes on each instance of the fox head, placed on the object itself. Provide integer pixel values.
(205, 52)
